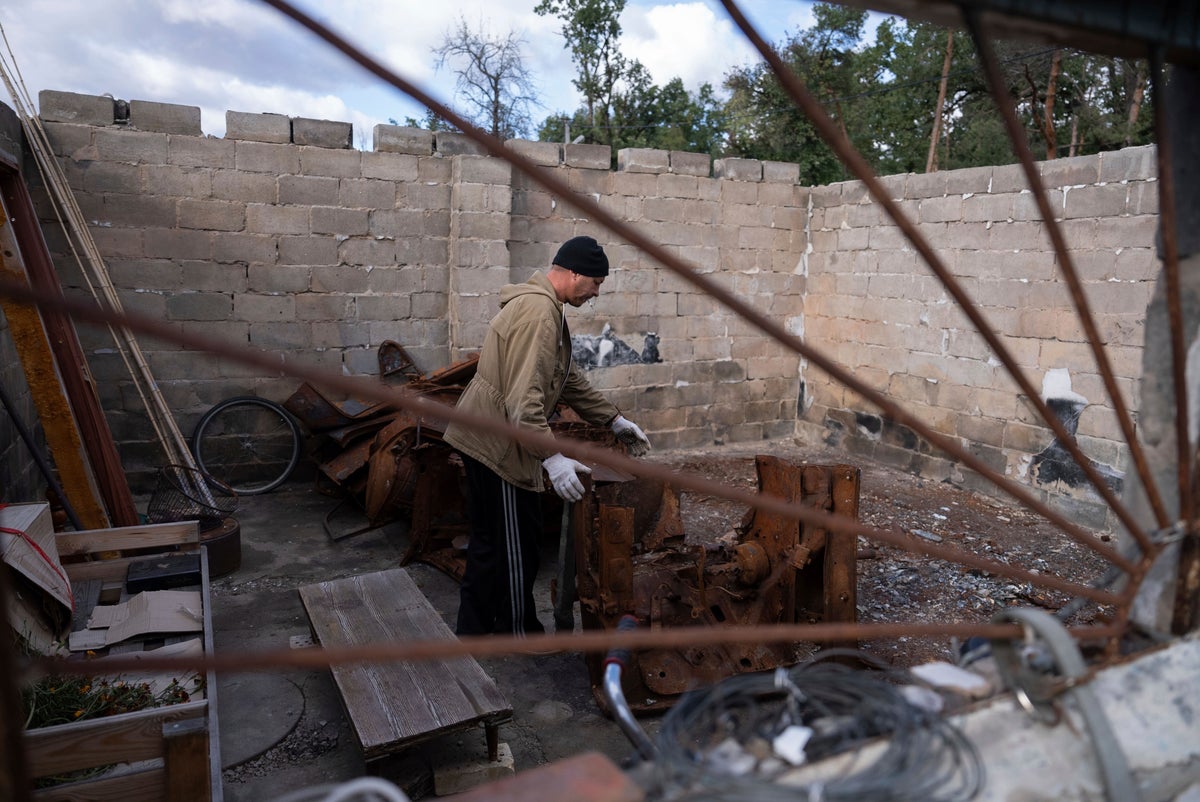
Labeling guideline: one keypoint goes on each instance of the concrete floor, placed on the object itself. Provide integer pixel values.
(284, 731)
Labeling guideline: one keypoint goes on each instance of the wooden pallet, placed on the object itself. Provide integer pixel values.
(173, 752)
(396, 705)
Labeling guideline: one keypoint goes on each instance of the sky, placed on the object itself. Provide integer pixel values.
(243, 55)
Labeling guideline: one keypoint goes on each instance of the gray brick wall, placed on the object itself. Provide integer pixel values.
(282, 237)
(902, 333)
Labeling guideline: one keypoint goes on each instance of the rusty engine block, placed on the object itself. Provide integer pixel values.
(633, 557)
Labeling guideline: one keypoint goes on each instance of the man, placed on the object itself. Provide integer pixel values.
(525, 369)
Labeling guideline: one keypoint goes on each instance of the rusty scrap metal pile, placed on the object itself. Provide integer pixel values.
(623, 546)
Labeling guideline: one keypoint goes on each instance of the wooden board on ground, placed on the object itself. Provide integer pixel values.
(395, 705)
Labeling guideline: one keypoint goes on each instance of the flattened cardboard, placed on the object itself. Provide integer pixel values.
(155, 611)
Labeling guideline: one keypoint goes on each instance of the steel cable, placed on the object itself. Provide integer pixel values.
(917, 756)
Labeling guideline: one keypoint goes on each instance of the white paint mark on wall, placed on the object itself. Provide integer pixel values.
(1057, 384)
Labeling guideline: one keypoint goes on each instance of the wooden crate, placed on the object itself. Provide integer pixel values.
(173, 752)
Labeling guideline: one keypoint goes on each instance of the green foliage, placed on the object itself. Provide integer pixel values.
(883, 95)
(591, 29)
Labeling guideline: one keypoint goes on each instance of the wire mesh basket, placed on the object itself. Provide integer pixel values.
(185, 494)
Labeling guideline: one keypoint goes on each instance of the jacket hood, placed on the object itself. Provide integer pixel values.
(538, 284)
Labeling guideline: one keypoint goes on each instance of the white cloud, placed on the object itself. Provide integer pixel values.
(683, 40)
(244, 56)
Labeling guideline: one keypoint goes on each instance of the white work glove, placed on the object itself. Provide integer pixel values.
(562, 472)
(631, 435)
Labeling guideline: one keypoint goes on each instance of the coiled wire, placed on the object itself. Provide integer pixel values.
(924, 758)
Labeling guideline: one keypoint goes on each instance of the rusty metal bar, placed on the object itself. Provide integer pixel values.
(589, 641)
(402, 398)
(559, 187)
(857, 165)
(1016, 135)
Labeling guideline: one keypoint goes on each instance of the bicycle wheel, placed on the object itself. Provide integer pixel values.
(249, 443)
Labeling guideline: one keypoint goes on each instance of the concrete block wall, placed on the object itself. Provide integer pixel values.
(719, 381)
(877, 309)
(283, 238)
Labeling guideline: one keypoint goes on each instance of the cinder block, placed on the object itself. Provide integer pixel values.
(690, 163)
(274, 128)
(334, 163)
(363, 193)
(308, 190)
(185, 151)
(71, 107)
(547, 153)
(448, 143)
(165, 118)
(738, 169)
(591, 157)
(781, 172)
(212, 215)
(389, 166)
(453, 775)
(322, 133)
(267, 157)
(1129, 164)
(643, 160)
(309, 251)
(401, 139)
(137, 147)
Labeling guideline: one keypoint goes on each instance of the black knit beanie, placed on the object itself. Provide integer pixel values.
(582, 255)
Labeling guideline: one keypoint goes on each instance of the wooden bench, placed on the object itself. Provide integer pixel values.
(396, 705)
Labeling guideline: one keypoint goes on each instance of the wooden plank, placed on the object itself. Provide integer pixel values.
(77, 378)
(214, 743)
(186, 759)
(87, 595)
(397, 704)
(45, 386)
(143, 785)
(117, 739)
(93, 541)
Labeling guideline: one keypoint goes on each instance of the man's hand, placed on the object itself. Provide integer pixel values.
(562, 472)
(631, 435)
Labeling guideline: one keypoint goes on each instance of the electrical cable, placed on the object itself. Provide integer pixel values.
(921, 756)
(1036, 690)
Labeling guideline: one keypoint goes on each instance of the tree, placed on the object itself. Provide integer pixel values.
(591, 29)
(493, 84)
(763, 121)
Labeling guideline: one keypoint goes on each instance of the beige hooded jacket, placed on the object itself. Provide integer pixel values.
(525, 369)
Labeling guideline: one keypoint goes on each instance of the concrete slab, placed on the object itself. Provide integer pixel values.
(255, 712)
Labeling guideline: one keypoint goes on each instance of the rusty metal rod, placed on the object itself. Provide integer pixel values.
(560, 188)
(591, 642)
(829, 131)
(1020, 143)
(402, 398)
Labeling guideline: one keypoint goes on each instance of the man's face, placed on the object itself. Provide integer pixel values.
(582, 289)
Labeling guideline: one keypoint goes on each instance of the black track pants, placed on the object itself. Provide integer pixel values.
(502, 556)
